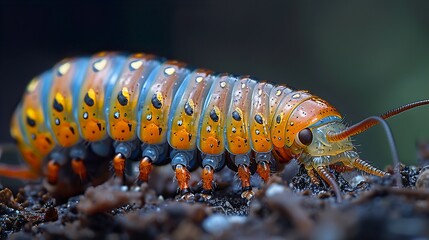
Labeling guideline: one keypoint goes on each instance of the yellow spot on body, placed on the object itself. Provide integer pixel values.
(136, 64)
(169, 71)
(160, 98)
(126, 93)
(100, 64)
(222, 84)
(191, 103)
(91, 93)
(278, 93)
(64, 68)
(60, 98)
(32, 85)
(31, 113)
(199, 79)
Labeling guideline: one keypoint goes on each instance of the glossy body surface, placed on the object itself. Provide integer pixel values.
(141, 107)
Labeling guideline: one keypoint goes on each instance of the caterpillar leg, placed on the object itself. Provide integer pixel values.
(183, 176)
(263, 168)
(341, 168)
(244, 175)
(366, 167)
(312, 175)
(329, 178)
(79, 168)
(208, 181)
(53, 170)
(145, 168)
(119, 165)
(123, 151)
(211, 164)
(181, 163)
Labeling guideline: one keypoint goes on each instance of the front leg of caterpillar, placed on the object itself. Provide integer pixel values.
(323, 171)
(366, 167)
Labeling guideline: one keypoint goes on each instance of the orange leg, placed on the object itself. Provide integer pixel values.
(145, 168)
(208, 179)
(53, 170)
(263, 170)
(183, 176)
(244, 175)
(329, 178)
(366, 167)
(312, 176)
(79, 168)
(18, 172)
(341, 168)
(119, 165)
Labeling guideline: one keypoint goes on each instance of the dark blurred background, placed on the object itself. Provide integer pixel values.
(364, 57)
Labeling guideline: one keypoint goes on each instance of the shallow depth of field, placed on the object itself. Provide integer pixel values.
(363, 57)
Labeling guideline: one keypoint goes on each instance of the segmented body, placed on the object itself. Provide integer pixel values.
(144, 104)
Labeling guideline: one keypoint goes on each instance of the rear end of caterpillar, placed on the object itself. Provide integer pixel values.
(123, 108)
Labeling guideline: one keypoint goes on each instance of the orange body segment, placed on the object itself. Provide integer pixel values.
(260, 131)
(60, 100)
(237, 118)
(157, 101)
(211, 135)
(187, 109)
(122, 111)
(102, 68)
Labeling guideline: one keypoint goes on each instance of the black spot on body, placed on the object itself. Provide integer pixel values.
(155, 102)
(258, 119)
(130, 126)
(99, 126)
(122, 99)
(88, 100)
(214, 116)
(48, 141)
(236, 116)
(190, 137)
(31, 122)
(188, 109)
(71, 130)
(57, 106)
(278, 119)
(160, 130)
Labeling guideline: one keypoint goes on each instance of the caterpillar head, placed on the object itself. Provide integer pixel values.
(300, 125)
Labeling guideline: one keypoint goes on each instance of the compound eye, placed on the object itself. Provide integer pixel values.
(305, 136)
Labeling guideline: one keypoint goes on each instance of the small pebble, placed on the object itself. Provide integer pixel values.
(274, 189)
(423, 179)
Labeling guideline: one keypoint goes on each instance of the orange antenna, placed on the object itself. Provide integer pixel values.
(370, 122)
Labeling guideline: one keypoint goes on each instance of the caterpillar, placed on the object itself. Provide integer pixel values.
(142, 107)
